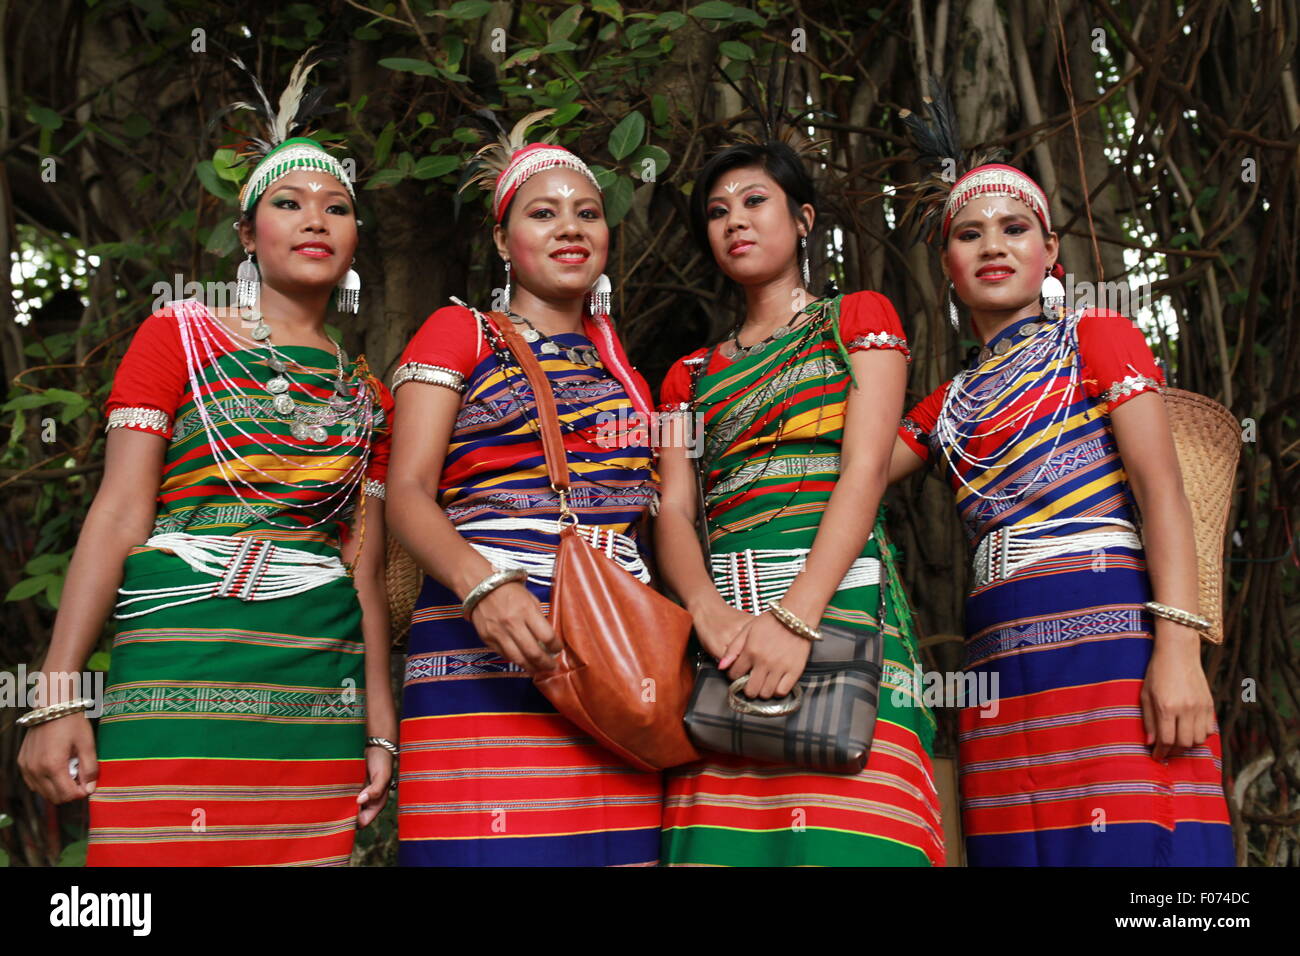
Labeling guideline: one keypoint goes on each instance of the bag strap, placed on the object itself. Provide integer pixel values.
(548, 419)
(702, 505)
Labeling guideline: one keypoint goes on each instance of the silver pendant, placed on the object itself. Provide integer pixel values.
(299, 430)
(1029, 328)
(1002, 348)
(277, 385)
(550, 348)
(729, 350)
(276, 363)
(317, 433)
(261, 331)
(284, 404)
(339, 405)
(531, 335)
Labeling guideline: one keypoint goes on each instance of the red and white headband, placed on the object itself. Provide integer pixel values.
(996, 179)
(528, 161)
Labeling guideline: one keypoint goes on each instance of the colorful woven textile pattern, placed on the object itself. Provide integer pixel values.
(491, 774)
(1057, 773)
(773, 426)
(232, 732)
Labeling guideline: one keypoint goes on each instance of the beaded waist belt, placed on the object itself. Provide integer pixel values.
(249, 569)
(540, 566)
(1009, 549)
(752, 579)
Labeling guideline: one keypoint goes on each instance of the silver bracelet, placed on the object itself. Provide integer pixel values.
(43, 715)
(488, 585)
(1178, 616)
(793, 624)
(383, 742)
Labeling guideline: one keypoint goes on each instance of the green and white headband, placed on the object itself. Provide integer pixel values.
(291, 155)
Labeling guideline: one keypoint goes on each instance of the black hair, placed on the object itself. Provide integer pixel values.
(775, 158)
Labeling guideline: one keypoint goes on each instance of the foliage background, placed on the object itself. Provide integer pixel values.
(1181, 118)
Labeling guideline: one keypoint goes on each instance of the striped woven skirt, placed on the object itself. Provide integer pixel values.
(728, 811)
(491, 775)
(232, 733)
(1057, 772)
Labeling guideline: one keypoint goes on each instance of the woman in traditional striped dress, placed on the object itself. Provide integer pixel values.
(797, 408)
(1101, 748)
(241, 513)
(491, 774)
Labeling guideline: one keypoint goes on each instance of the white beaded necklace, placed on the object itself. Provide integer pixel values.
(197, 327)
(960, 407)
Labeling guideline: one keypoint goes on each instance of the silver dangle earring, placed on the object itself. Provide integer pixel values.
(349, 292)
(598, 296)
(953, 316)
(505, 297)
(1053, 295)
(248, 282)
(803, 255)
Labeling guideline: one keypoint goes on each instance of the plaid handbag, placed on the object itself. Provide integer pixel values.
(826, 722)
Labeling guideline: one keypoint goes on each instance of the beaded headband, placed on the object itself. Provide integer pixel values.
(996, 179)
(292, 154)
(526, 163)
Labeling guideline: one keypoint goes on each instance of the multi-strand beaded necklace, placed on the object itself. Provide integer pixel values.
(200, 339)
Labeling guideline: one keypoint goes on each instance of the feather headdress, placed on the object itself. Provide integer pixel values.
(503, 166)
(282, 143)
(777, 124)
(954, 176)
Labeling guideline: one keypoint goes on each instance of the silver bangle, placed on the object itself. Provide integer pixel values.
(1178, 616)
(488, 585)
(43, 715)
(383, 742)
(793, 624)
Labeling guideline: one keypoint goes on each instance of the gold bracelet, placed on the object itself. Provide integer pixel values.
(1178, 616)
(793, 624)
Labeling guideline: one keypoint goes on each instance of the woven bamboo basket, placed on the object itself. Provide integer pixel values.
(402, 581)
(1208, 439)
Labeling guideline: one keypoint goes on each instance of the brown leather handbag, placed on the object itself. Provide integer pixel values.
(622, 674)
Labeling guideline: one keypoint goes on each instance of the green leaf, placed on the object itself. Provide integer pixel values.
(618, 200)
(31, 399)
(221, 240)
(604, 177)
(562, 27)
(659, 109)
(564, 114)
(559, 46)
(656, 153)
(526, 55)
(223, 162)
(99, 661)
(455, 47)
(466, 10)
(671, 20)
(465, 134)
(837, 77)
(213, 183)
(713, 10)
(74, 854)
(384, 145)
(627, 135)
(54, 592)
(44, 563)
(44, 117)
(407, 65)
(137, 126)
(6, 820)
(29, 587)
(1183, 239)
(610, 8)
(736, 50)
(366, 34)
(431, 167)
(4, 857)
(385, 178)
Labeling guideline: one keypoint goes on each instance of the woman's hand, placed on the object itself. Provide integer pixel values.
(1177, 706)
(379, 773)
(510, 621)
(771, 655)
(718, 624)
(46, 753)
